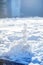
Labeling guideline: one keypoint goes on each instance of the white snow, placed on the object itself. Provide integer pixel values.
(20, 38)
(33, 64)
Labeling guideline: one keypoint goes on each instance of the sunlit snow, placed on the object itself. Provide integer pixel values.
(21, 40)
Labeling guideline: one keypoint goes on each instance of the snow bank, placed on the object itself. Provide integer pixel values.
(21, 40)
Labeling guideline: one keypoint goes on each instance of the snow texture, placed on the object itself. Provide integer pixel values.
(21, 40)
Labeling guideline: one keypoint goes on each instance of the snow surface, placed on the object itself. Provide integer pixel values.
(21, 40)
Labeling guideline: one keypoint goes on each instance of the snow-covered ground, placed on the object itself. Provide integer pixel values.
(21, 40)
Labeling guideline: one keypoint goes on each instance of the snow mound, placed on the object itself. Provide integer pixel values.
(21, 40)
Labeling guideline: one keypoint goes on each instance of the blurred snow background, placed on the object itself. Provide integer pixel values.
(21, 40)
